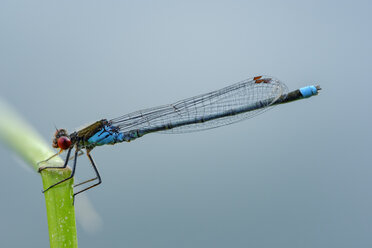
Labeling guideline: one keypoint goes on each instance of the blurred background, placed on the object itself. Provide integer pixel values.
(296, 176)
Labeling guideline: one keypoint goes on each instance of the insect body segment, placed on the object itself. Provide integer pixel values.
(107, 135)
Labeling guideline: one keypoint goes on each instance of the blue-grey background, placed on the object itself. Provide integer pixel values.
(296, 176)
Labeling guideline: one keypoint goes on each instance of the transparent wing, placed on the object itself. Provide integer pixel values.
(207, 110)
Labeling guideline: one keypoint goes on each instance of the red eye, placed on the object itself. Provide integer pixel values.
(64, 142)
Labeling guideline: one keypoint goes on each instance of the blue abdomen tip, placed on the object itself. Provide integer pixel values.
(309, 91)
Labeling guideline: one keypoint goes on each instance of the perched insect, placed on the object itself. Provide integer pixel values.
(231, 104)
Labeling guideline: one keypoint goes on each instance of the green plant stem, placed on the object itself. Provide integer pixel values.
(60, 209)
(19, 136)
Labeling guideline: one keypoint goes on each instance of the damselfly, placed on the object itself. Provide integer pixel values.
(231, 104)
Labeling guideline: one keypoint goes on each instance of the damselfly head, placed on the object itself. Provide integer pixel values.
(61, 139)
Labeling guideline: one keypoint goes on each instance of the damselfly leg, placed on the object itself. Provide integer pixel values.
(54, 167)
(98, 177)
(46, 160)
(73, 169)
(79, 154)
